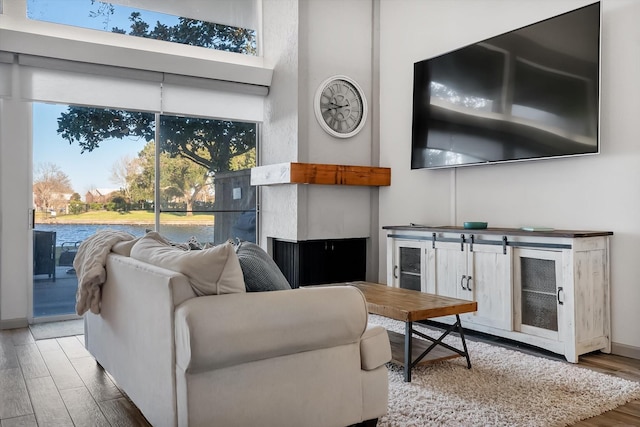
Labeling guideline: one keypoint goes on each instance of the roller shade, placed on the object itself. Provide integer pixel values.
(6, 59)
(70, 82)
(39, 84)
(217, 104)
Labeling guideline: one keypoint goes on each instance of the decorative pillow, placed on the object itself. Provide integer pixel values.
(124, 247)
(260, 271)
(212, 271)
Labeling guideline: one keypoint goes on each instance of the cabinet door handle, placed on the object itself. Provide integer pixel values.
(468, 284)
(395, 271)
(464, 276)
(558, 295)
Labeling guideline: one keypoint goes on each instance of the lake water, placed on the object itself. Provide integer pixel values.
(71, 233)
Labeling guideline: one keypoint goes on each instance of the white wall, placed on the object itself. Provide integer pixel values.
(15, 156)
(306, 42)
(598, 192)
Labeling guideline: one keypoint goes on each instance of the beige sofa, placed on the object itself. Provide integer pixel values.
(301, 357)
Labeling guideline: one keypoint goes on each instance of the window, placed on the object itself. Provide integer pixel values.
(115, 18)
(97, 168)
(205, 167)
(201, 187)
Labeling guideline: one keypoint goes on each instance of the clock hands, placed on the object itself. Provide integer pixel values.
(333, 106)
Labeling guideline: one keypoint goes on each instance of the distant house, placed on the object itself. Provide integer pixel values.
(98, 195)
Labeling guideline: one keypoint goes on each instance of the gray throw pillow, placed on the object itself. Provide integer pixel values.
(260, 271)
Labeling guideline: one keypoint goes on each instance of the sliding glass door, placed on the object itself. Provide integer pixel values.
(97, 168)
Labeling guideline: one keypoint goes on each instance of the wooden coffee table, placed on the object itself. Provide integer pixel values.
(409, 306)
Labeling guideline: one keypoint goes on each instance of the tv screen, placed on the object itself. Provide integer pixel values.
(528, 94)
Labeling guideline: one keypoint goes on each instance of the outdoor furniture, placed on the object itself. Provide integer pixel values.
(68, 254)
(44, 253)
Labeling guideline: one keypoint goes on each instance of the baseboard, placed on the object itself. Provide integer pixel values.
(625, 350)
(14, 323)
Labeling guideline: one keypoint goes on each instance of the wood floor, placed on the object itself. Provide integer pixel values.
(56, 382)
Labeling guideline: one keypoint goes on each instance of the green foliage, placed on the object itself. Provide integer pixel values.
(243, 161)
(194, 32)
(76, 207)
(180, 179)
(90, 126)
(207, 142)
(119, 202)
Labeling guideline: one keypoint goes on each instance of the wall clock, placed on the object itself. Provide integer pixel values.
(340, 106)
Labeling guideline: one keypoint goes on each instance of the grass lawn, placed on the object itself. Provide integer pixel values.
(133, 217)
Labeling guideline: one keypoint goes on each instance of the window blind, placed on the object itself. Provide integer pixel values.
(71, 82)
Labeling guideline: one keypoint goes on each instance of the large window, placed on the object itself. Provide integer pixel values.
(196, 180)
(205, 167)
(185, 135)
(115, 18)
(97, 168)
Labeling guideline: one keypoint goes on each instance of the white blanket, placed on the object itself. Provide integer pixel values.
(90, 267)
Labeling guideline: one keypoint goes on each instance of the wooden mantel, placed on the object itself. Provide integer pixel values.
(314, 173)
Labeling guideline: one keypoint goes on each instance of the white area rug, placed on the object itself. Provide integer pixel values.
(502, 388)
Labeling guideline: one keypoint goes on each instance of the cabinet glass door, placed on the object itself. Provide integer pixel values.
(408, 266)
(538, 287)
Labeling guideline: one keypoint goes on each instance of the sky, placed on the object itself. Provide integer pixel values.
(76, 12)
(86, 171)
(92, 169)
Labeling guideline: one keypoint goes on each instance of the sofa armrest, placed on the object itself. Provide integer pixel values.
(375, 349)
(218, 331)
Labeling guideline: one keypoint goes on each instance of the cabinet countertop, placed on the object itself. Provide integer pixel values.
(498, 231)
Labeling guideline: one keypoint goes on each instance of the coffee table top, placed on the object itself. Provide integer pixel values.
(409, 305)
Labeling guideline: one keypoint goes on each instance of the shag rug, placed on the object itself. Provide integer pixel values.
(502, 388)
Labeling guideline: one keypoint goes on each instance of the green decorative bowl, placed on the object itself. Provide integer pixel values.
(475, 225)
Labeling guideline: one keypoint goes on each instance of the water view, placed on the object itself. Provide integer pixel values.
(71, 233)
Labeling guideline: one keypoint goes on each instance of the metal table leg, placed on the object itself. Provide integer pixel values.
(408, 347)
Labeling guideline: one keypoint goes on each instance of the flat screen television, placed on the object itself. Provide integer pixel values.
(531, 93)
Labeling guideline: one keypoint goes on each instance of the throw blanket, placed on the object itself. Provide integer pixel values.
(90, 268)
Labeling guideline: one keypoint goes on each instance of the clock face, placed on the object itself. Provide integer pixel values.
(340, 106)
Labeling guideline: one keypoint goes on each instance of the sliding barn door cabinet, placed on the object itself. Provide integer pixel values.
(548, 289)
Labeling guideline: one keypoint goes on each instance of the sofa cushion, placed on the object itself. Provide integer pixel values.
(260, 271)
(375, 349)
(124, 248)
(210, 271)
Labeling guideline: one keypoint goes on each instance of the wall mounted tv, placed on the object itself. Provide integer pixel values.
(531, 93)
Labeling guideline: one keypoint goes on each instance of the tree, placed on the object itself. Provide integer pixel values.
(180, 178)
(195, 33)
(141, 181)
(207, 142)
(50, 184)
(121, 173)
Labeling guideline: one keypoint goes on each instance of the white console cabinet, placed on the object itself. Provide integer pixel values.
(549, 289)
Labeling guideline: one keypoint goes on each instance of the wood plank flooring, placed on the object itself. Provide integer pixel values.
(56, 382)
